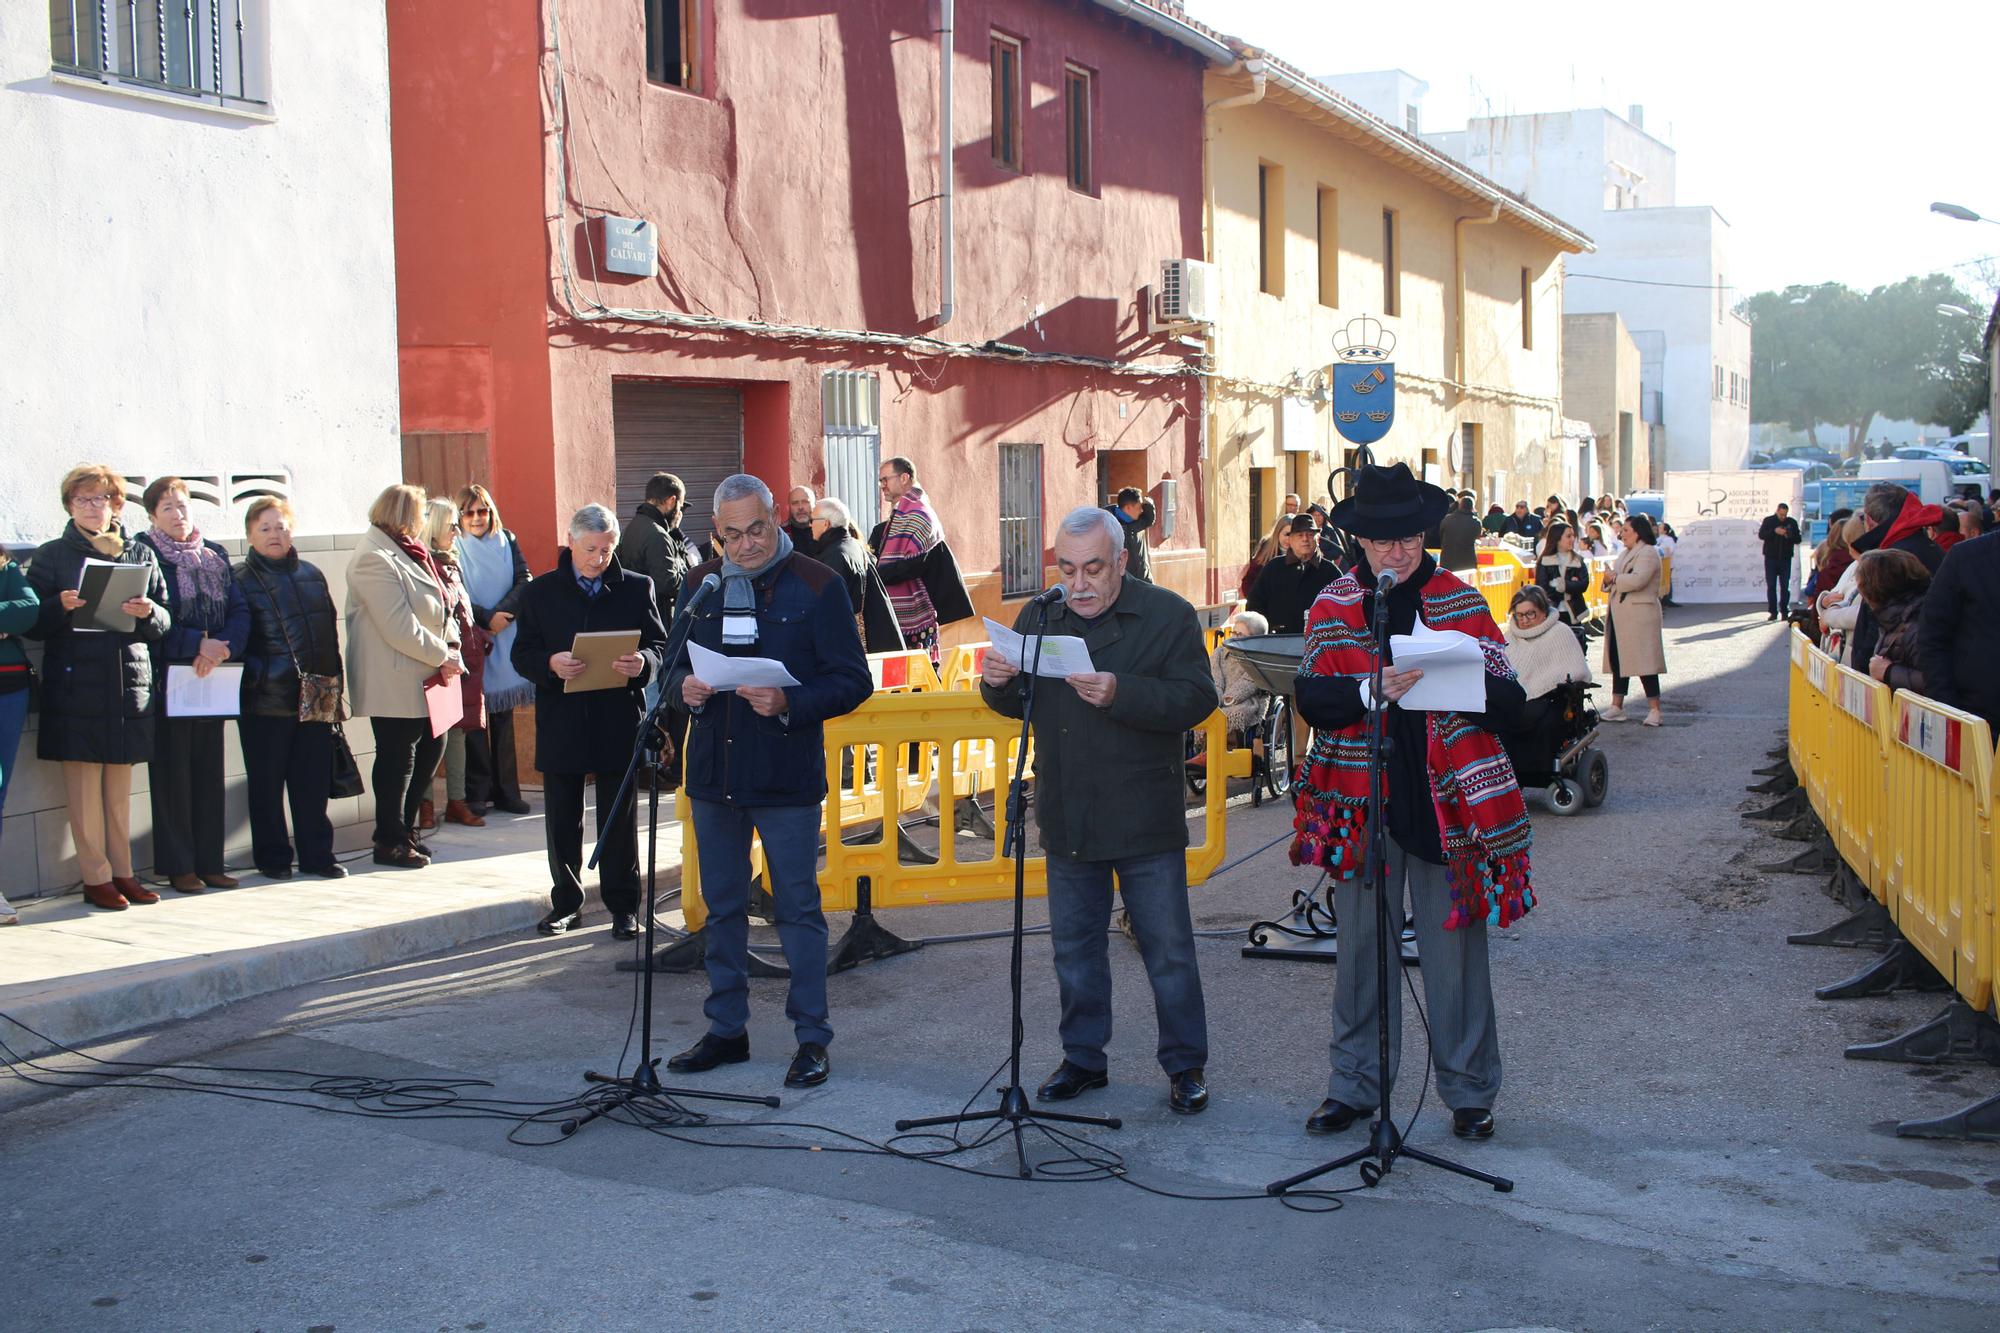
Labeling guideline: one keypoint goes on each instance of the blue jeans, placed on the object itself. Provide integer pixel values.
(791, 851)
(1155, 890)
(13, 719)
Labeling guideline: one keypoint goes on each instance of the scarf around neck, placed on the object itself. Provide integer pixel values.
(200, 580)
(739, 597)
(109, 543)
(1482, 821)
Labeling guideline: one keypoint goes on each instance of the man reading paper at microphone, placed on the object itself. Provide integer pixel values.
(756, 763)
(1458, 832)
(1108, 772)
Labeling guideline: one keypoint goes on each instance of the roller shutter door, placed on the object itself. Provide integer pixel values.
(692, 431)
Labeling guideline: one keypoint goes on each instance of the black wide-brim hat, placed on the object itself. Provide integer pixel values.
(1390, 502)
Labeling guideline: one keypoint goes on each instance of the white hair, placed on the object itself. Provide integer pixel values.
(1253, 623)
(1086, 519)
(592, 518)
(743, 486)
(834, 511)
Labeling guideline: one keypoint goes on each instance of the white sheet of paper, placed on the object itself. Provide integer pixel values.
(188, 695)
(1454, 668)
(730, 673)
(1063, 655)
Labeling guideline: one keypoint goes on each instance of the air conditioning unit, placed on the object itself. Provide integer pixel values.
(1187, 292)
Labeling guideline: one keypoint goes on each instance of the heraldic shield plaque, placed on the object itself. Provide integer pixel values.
(1364, 381)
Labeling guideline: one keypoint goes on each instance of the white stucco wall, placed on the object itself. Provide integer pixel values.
(193, 291)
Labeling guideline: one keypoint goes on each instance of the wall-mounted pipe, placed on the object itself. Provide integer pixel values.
(1257, 70)
(947, 279)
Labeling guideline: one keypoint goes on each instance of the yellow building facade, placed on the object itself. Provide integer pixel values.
(1319, 214)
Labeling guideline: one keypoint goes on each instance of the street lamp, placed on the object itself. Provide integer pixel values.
(1946, 308)
(1962, 213)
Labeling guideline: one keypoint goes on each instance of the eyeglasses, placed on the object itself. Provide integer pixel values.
(1415, 543)
(479, 513)
(92, 501)
(757, 531)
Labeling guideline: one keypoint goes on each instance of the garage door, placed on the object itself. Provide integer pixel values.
(692, 431)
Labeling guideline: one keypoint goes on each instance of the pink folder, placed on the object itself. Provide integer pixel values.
(446, 702)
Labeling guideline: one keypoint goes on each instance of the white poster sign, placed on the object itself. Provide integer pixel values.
(1718, 560)
(1754, 495)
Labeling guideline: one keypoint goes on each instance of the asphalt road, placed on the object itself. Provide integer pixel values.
(1691, 1150)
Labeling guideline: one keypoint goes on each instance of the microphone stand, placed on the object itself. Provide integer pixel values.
(1014, 1109)
(643, 1084)
(1385, 1142)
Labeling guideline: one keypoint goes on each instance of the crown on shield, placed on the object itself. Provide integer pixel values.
(1364, 340)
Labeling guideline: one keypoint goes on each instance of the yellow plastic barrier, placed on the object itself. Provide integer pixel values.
(907, 670)
(983, 745)
(1939, 814)
(1806, 720)
(1498, 583)
(1853, 724)
(1666, 576)
(962, 667)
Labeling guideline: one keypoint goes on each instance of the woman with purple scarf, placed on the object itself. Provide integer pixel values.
(211, 625)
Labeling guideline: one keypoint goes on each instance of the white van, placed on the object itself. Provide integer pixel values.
(1937, 480)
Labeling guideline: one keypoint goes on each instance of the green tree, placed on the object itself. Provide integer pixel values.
(1834, 356)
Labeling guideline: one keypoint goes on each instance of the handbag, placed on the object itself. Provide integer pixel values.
(321, 698)
(950, 598)
(346, 772)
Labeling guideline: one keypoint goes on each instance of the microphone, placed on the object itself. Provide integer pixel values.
(1050, 596)
(1383, 581)
(701, 592)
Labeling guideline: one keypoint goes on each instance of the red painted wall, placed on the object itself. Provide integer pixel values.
(471, 250)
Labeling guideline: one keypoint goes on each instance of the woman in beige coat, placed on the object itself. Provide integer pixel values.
(1632, 639)
(398, 637)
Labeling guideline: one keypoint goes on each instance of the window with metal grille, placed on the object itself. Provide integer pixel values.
(851, 422)
(1004, 56)
(1020, 520)
(1077, 112)
(670, 42)
(210, 49)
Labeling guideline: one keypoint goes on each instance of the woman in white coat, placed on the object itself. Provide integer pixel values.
(399, 637)
(1634, 639)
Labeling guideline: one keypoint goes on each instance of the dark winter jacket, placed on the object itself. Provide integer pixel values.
(1899, 623)
(97, 688)
(183, 641)
(1905, 532)
(1780, 537)
(291, 617)
(1108, 780)
(592, 731)
(1566, 586)
(805, 621)
(1458, 540)
(1138, 556)
(1284, 592)
(846, 555)
(653, 547)
(1958, 637)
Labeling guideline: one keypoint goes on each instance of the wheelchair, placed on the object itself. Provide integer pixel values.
(1269, 741)
(1561, 756)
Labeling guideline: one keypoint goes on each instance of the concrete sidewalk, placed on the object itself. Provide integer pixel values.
(78, 974)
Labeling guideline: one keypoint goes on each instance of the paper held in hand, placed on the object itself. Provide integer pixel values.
(722, 673)
(599, 649)
(1454, 668)
(215, 695)
(106, 587)
(1063, 655)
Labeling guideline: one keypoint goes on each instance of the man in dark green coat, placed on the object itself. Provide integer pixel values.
(1108, 773)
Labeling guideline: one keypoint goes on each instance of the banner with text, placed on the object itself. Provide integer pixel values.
(1717, 514)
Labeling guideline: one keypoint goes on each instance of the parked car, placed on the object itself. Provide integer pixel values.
(1653, 504)
(1812, 452)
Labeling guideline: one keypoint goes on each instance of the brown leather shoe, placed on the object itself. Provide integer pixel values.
(134, 891)
(458, 812)
(427, 815)
(219, 881)
(187, 883)
(103, 895)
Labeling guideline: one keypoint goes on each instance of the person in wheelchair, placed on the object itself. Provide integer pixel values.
(1550, 664)
(1243, 695)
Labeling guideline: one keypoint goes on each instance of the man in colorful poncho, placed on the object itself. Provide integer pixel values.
(911, 533)
(1458, 831)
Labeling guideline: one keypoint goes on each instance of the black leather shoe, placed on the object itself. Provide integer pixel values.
(275, 872)
(1068, 1081)
(1187, 1092)
(558, 921)
(1335, 1117)
(331, 870)
(624, 925)
(403, 857)
(809, 1067)
(711, 1051)
(514, 806)
(421, 848)
(1472, 1122)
